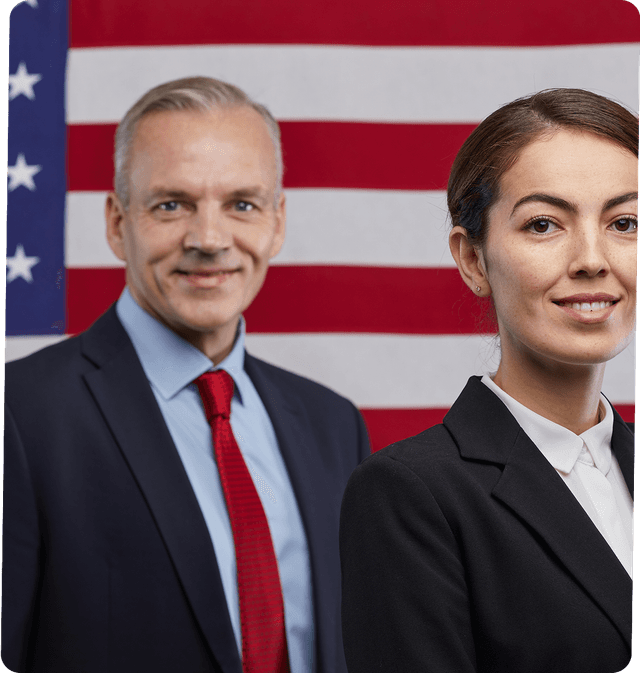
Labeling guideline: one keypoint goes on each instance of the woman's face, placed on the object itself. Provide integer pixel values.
(560, 252)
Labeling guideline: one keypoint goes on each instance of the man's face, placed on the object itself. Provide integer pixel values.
(202, 222)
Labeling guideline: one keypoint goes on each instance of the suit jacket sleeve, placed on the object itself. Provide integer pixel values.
(404, 592)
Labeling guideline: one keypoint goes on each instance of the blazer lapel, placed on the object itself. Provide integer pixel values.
(535, 492)
(622, 444)
(309, 479)
(120, 388)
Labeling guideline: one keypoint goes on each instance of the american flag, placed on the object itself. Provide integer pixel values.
(374, 100)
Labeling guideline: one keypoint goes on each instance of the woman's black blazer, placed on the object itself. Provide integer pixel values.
(464, 551)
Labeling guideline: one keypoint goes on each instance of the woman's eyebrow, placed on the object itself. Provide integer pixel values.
(619, 200)
(571, 207)
(546, 198)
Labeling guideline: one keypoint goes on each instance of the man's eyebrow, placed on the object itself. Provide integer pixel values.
(546, 198)
(249, 192)
(165, 193)
(162, 193)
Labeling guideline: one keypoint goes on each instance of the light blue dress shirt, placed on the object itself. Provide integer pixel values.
(171, 365)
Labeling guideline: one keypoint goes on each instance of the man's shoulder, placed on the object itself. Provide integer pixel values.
(291, 382)
(57, 357)
(332, 419)
(70, 357)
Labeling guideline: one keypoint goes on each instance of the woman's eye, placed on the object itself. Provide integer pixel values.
(542, 226)
(625, 225)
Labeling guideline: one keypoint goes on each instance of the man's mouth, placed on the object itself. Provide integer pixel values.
(206, 279)
(207, 272)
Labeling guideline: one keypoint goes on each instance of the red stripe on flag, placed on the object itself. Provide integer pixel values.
(90, 157)
(627, 411)
(90, 292)
(358, 22)
(344, 155)
(387, 426)
(364, 299)
(297, 299)
(352, 155)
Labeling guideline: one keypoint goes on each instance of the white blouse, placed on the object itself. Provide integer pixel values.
(574, 457)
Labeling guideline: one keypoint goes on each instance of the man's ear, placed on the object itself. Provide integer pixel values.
(470, 262)
(281, 222)
(114, 214)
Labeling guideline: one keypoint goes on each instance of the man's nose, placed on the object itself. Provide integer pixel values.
(208, 230)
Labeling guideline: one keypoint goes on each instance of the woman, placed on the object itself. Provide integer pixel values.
(500, 541)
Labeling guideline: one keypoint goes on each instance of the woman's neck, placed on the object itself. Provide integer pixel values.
(565, 394)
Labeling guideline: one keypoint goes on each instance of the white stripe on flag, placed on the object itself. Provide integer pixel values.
(396, 84)
(20, 347)
(385, 371)
(85, 239)
(399, 371)
(324, 226)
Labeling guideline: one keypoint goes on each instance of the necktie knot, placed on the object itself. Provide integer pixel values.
(216, 391)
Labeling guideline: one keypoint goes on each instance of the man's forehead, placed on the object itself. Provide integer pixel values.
(238, 134)
(186, 151)
(159, 121)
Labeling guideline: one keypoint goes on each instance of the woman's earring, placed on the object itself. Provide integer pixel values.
(478, 288)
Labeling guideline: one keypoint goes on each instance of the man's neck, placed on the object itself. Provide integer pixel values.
(217, 344)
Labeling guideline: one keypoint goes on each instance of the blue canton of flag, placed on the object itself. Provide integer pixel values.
(36, 185)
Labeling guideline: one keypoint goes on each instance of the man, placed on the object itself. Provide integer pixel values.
(128, 541)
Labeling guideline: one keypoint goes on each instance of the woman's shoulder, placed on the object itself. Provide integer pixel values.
(435, 443)
(431, 452)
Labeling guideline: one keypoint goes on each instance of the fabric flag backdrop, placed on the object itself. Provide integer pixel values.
(374, 98)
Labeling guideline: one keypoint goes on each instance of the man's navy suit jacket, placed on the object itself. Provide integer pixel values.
(108, 562)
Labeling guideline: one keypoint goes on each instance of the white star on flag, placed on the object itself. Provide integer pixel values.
(22, 82)
(22, 174)
(19, 266)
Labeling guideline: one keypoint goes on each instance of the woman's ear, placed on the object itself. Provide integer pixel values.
(470, 262)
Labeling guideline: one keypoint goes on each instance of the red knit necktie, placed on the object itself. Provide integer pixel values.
(264, 644)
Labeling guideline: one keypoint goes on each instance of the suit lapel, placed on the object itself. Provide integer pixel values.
(120, 388)
(309, 479)
(622, 444)
(530, 487)
(534, 491)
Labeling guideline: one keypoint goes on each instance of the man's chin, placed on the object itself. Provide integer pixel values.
(209, 325)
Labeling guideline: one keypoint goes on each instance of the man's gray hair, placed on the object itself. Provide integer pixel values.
(199, 94)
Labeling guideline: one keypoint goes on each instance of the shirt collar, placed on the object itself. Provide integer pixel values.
(598, 439)
(170, 362)
(558, 444)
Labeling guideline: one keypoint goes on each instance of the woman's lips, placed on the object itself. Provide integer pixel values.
(588, 309)
(587, 306)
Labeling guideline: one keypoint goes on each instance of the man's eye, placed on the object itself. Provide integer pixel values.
(244, 206)
(169, 206)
